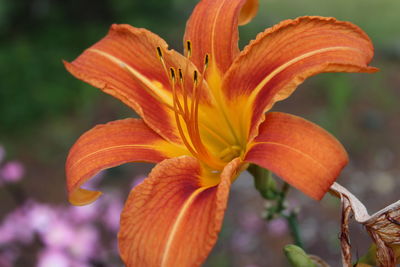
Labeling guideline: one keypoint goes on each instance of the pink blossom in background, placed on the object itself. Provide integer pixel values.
(82, 214)
(53, 258)
(251, 222)
(4, 262)
(12, 171)
(242, 241)
(68, 236)
(60, 234)
(111, 216)
(16, 228)
(95, 180)
(86, 243)
(277, 227)
(244, 238)
(8, 257)
(138, 180)
(41, 217)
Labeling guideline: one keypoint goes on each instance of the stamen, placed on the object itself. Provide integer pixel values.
(174, 92)
(195, 77)
(184, 93)
(172, 74)
(161, 58)
(205, 67)
(177, 119)
(159, 52)
(180, 74)
(194, 123)
(206, 61)
(188, 115)
(188, 48)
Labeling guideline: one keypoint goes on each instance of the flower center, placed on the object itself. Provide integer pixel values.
(186, 111)
(219, 148)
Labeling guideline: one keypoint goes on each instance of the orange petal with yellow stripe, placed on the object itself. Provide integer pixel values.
(300, 152)
(271, 67)
(133, 65)
(110, 145)
(171, 219)
(213, 29)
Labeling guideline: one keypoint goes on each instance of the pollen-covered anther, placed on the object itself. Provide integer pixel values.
(195, 77)
(159, 53)
(173, 76)
(188, 49)
(206, 60)
(180, 74)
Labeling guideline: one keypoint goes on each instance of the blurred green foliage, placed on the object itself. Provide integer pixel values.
(37, 34)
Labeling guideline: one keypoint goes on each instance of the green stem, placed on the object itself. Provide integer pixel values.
(281, 199)
(294, 228)
(267, 187)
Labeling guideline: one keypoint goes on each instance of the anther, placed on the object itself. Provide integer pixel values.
(206, 58)
(189, 48)
(159, 52)
(195, 79)
(172, 74)
(180, 74)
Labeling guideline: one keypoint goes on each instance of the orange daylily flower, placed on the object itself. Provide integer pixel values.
(203, 121)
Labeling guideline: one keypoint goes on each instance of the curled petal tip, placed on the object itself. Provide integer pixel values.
(111, 145)
(81, 197)
(248, 12)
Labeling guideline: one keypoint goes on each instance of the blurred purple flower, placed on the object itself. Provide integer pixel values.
(53, 257)
(69, 235)
(251, 222)
(5, 262)
(113, 211)
(138, 180)
(2, 153)
(60, 234)
(85, 243)
(84, 214)
(12, 171)
(277, 227)
(8, 257)
(95, 180)
(16, 228)
(41, 217)
(242, 241)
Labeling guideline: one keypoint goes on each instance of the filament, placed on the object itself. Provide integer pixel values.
(189, 114)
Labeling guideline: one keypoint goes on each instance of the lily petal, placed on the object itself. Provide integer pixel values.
(300, 152)
(171, 219)
(126, 64)
(110, 145)
(271, 67)
(213, 29)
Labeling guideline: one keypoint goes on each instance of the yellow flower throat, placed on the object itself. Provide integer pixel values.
(207, 143)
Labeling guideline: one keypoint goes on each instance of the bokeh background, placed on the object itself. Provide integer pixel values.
(43, 110)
